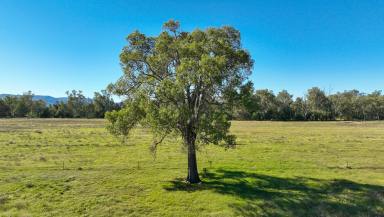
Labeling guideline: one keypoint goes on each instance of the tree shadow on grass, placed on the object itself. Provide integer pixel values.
(263, 195)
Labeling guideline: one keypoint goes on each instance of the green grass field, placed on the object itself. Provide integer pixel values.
(76, 168)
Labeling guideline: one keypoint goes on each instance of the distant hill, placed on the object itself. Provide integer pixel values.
(47, 99)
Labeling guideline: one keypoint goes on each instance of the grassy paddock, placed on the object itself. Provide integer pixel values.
(74, 167)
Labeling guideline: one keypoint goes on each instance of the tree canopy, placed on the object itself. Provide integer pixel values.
(183, 83)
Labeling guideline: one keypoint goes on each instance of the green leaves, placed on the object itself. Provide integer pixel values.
(124, 120)
(181, 81)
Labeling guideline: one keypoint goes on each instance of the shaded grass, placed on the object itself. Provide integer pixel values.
(73, 167)
(264, 195)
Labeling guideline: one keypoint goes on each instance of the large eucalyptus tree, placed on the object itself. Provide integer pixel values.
(181, 83)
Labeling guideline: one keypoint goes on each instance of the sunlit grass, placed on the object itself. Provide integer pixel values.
(76, 168)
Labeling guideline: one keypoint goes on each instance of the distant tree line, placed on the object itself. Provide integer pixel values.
(252, 104)
(76, 106)
(316, 105)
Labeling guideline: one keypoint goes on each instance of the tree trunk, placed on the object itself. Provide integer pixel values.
(193, 174)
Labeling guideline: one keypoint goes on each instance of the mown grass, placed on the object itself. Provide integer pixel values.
(75, 168)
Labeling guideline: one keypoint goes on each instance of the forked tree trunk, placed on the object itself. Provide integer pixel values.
(193, 174)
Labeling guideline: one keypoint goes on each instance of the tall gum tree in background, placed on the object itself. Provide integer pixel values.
(182, 83)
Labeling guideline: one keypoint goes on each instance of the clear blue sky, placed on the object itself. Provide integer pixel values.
(53, 46)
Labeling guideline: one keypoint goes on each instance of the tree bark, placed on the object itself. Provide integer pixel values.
(193, 174)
